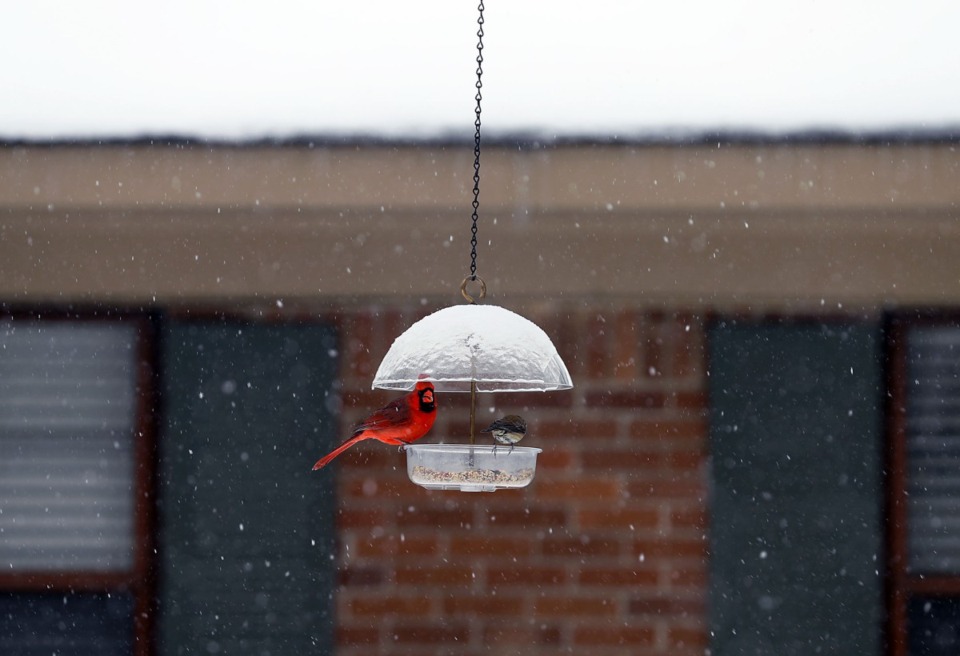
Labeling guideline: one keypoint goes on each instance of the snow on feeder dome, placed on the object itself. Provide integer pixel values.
(465, 345)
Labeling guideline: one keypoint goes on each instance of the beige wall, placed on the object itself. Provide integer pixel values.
(762, 226)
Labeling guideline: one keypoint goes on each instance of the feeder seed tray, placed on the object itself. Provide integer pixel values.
(470, 468)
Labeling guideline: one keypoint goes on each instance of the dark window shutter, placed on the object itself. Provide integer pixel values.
(246, 529)
(795, 536)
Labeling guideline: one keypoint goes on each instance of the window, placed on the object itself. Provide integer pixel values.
(74, 501)
(230, 542)
(925, 488)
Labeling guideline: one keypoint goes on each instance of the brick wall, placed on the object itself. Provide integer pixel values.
(605, 551)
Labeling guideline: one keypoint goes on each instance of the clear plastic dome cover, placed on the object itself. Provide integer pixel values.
(497, 348)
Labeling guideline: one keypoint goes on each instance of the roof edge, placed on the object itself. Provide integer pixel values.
(523, 140)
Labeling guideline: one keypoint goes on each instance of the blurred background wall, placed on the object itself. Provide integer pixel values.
(728, 474)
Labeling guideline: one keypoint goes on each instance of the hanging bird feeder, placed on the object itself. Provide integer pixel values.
(473, 348)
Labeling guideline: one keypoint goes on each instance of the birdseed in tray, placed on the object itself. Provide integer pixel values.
(473, 477)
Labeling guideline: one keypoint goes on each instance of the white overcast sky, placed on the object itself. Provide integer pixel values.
(628, 68)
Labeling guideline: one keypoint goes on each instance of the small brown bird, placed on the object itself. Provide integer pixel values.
(507, 431)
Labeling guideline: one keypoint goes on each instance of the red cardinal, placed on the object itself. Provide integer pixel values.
(401, 421)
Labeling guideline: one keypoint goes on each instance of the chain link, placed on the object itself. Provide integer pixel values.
(476, 148)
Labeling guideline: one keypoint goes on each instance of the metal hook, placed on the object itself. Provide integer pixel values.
(483, 289)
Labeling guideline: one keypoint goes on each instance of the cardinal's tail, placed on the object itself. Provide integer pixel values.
(325, 460)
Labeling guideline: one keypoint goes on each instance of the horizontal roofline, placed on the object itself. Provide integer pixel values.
(524, 140)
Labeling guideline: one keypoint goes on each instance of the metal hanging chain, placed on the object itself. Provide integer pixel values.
(476, 148)
(473, 277)
(476, 204)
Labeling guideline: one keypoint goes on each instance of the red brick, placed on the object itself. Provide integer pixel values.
(597, 347)
(372, 458)
(384, 605)
(622, 459)
(532, 516)
(626, 345)
(526, 636)
(493, 605)
(670, 337)
(457, 429)
(634, 459)
(566, 335)
(634, 636)
(638, 518)
(690, 488)
(525, 575)
(690, 429)
(617, 576)
(352, 636)
(475, 545)
(393, 546)
(667, 606)
(457, 405)
(695, 518)
(348, 518)
(580, 488)
(357, 576)
(654, 356)
(577, 429)
(530, 400)
(442, 633)
(625, 399)
(571, 606)
(690, 400)
(688, 347)
(357, 336)
(685, 459)
(579, 547)
(682, 637)
(688, 576)
(393, 322)
(425, 575)
(554, 458)
(435, 517)
(652, 549)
